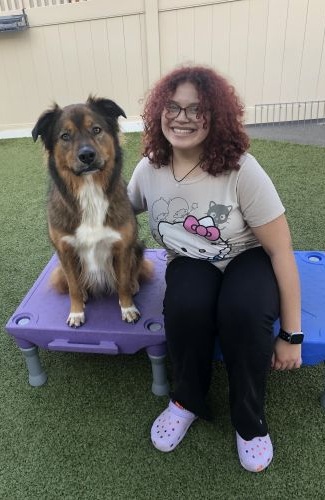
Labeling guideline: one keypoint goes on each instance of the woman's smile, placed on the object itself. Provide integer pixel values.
(185, 131)
(182, 131)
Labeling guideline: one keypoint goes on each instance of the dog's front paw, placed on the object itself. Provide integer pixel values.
(76, 319)
(130, 314)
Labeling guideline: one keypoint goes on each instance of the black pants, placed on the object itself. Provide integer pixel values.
(240, 306)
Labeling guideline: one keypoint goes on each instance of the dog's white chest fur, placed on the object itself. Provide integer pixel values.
(93, 241)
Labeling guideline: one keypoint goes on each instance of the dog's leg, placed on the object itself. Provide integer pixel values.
(71, 268)
(124, 264)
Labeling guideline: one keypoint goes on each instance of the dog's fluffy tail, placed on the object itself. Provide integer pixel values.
(145, 267)
(146, 270)
(59, 281)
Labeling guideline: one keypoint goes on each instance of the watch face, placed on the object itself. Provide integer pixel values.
(297, 338)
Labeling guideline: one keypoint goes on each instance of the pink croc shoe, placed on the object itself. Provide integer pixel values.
(170, 427)
(255, 455)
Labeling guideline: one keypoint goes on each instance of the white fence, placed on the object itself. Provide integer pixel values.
(273, 51)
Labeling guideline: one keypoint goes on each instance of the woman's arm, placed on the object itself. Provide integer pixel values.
(135, 189)
(276, 240)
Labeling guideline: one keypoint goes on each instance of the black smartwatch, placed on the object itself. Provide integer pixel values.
(291, 338)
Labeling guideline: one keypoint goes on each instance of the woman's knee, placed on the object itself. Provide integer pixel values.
(245, 318)
(249, 297)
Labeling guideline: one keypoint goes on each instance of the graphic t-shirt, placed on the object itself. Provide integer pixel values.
(205, 217)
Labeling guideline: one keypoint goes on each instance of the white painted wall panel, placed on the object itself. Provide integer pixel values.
(221, 38)
(239, 23)
(256, 49)
(274, 53)
(271, 50)
(203, 34)
(312, 51)
(293, 49)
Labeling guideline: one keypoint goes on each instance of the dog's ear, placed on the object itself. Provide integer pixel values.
(44, 126)
(106, 107)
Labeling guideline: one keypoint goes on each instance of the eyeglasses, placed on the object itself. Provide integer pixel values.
(192, 112)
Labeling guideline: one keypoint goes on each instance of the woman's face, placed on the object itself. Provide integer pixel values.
(185, 130)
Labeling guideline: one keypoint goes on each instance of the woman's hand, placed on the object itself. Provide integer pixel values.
(286, 356)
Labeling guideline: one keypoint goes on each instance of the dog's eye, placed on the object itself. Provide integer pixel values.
(65, 136)
(97, 130)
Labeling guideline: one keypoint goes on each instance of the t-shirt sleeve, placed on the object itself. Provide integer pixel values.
(136, 188)
(256, 193)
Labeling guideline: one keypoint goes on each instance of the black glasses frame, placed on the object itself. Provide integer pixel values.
(198, 115)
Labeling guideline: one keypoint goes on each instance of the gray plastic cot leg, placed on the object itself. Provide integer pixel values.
(36, 374)
(160, 386)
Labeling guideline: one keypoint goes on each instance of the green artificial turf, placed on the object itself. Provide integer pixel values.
(85, 434)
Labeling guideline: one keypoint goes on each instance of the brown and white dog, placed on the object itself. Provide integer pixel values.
(91, 222)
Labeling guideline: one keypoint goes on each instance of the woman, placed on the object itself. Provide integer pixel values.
(231, 269)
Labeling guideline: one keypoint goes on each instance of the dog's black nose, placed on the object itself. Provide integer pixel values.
(86, 155)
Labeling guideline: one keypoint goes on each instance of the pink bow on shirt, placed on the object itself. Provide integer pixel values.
(192, 225)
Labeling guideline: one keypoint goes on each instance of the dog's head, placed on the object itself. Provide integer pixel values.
(81, 137)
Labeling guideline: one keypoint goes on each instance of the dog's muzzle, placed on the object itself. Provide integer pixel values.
(88, 164)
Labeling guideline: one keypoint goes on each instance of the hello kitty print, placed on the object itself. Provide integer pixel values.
(185, 234)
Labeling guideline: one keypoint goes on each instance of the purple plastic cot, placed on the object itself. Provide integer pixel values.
(39, 321)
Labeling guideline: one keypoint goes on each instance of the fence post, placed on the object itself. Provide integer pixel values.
(152, 40)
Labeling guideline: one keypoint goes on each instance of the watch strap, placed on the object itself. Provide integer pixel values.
(284, 335)
(292, 338)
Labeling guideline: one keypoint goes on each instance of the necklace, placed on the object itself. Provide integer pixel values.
(188, 173)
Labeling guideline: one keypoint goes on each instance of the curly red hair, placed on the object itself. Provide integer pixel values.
(227, 139)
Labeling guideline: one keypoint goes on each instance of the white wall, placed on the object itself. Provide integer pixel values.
(273, 51)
